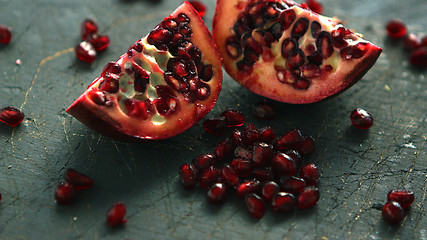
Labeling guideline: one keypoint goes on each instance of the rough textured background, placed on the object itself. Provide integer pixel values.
(358, 167)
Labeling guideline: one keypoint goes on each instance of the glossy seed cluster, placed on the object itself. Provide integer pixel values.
(92, 42)
(65, 192)
(397, 201)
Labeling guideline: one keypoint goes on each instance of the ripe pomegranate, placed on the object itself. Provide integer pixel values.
(164, 84)
(282, 51)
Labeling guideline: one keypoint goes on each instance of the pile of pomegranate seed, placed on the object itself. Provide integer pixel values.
(417, 47)
(116, 214)
(260, 168)
(5, 34)
(65, 193)
(361, 119)
(397, 201)
(228, 118)
(92, 42)
(11, 116)
(200, 7)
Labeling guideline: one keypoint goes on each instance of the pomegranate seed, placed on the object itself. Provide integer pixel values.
(229, 176)
(310, 174)
(224, 149)
(236, 137)
(309, 197)
(419, 57)
(250, 135)
(115, 215)
(264, 111)
(209, 176)
(262, 154)
(292, 184)
(216, 193)
(199, 6)
(111, 67)
(188, 176)
(88, 28)
(267, 134)
(282, 164)
(248, 187)
(11, 116)
(296, 156)
(233, 118)
(215, 126)
(404, 197)
(396, 29)
(85, 52)
(269, 189)
(289, 140)
(315, 6)
(255, 205)
(242, 167)
(5, 34)
(392, 212)
(306, 146)
(78, 180)
(263, 174)
(65, 194)
(361, 118)
(412, 42)
(282, 202)
(99, 42)
(204, 161)
(287, 17)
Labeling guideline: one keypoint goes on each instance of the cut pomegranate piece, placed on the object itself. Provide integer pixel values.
(282, 202)
(392, 212)
(168, 81)
(308, 198)
(11, 116)
(199, 6)
(216, 193)
(404, 197)
(65, 194)
(85, 52)
(116, 214)
(396, 29)
(285, 52)
(361, 118)
(88, 28)
(255, 205)
(5, 34)
(78, 180)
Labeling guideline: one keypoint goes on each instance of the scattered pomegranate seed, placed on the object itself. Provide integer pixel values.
(215, 126)
(264, 111)
(85, 52)
(199, 6)
(289, 140)
(188, 176)
(255, 205)
(233, 118)
(115, 215)
(5, 34)
(216, 193)
(11, 116)
(419, 57)
(310, 174)
(396, 29)
(309, 197)
(248, 187)
(315, 6)
(404, 197)
(361, 118)
(65, 194)
(99, 42)
(411, 42)
(88, 28)
(392, 212)
(282, 202)
(78, 180)
(306, 146)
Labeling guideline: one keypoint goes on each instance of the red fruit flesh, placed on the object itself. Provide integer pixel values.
(404, 197)
(255, 205)
(281, 51)
(308, 198)
(11, 116)
(392, 212)
(85, 52)
(78, 180)
(361, 118)
(5, 34)
(396, 29)
(115, 215)
(65, 194)
(88, 28)
(162, 95)
(199, 6)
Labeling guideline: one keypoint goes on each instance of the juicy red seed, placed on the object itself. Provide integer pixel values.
(292, 184)
(392, 212)
(263, 174)
(287, 76)
(207, 73)
(229, 176)
(310, 174)
(179, 85)
(361, 118)
(65, 194)
(111, 67)
(315, 58)
(255, 205)
(315, 28)
(306, 146)
(166, 106)
(269, 189)
(295, 155)
(267, 135)
(233, 48)
(241, 152)
(188, 176)
(183, 19)
(5, 34)
(282, 202)
(88, 28)
(411, 42)
(309, 197)
(209, 176)
(287, 17)
(216, 193)
(315, 6)
(295, 59)
(282, 164)
(289, 140)
(276, 31)
(159, 36)
(404, 197)
(250, 136)
(262, 154)
(85, 52)
(264, 111)
(354, 52)
(97, 97)
(199, 6)
(99, 42)
(419, 57)
(289, 46)
(169, 24)
(11, 116)
(311, 71)
(396, 29)
(302, 83)
(224, 149)
(242, 167)
(424, 42)
(233, 118)
(324, 44)
(300, 27)
(215, 126)
(248, 187)
(78, 180)
(116, 214)
(204, 161)
(245, 66)
(236, 137)
(110, 83)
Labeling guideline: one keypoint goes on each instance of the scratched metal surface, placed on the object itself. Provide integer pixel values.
(358, 167)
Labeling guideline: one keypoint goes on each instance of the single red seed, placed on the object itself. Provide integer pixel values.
(269, 189)
(247, 187)
(404, 197)
(11, 116)
(411, 42)
(78, 180)
(309, 197)
(250, 135)
(419, 57)
(188, 176)
(216, 193)
(233, 118)
(315, 6)
(209, 176)
(199, 6)
(65, 194)
(262, 154)
(99, 42)
(392, 212)
(204, 160)
(292, 184)
(264, 111)
(85, 52)
(229, 176)
(5, 34)
(215, 126)
(396, 29)
(224, 149)
(242, 167)
(255, 205)
(116, 214)
(282, 164)
(88, 28)
(236, 137)
(282, 202)
(295, 155)
(310, 174)
(361, 118)
(267, 135)
(306, 146)
(289, 140)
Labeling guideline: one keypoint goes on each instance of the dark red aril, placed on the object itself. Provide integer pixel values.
(88, 28)
(65, 194)
(215, 126)
(255, 205)
(247, 187)
(282, 202)
(199, 6)
(99, 42)
(264, 111)
(315, 6)
(11, 116)
(224, 149)
(216, 193)
(233, 118)
(78, 180)
(295, 155)
(289, 140)
(419, 57)
(116, 214)
(263, 174)
(5, 34)
(242, 167)
(396, 29)
(236, 137)
(188, 175)
(310, 173)
(282, 164)
(209, 176)
(229, 176)
(306, 146)
(267, 135)
(204, 161)
(392, 212)
(262, 154)
(250, 135)
(361, 118)
(309, 197)
(269, 189)
(85, 52)
(404, 197)
(411, 42)
(292, 184)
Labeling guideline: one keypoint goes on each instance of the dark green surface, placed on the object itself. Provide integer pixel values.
(358, 167)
